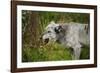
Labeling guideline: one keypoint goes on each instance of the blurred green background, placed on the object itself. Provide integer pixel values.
(33, 24)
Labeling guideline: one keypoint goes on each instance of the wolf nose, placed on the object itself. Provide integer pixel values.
(46, 40)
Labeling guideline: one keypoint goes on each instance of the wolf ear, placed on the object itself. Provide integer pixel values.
(58, 29)
(52, 22)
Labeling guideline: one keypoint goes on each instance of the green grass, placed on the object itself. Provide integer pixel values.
(50, 52)
(85, 54)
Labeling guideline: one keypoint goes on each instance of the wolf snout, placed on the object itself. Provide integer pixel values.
(46, 40)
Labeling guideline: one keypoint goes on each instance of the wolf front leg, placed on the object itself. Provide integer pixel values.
(76, 53)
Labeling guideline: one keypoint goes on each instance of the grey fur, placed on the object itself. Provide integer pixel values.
(70, 35)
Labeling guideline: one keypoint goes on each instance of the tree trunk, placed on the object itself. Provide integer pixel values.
(30, 37)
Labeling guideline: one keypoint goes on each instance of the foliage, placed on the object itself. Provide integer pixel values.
(33, 24)
(46, 53)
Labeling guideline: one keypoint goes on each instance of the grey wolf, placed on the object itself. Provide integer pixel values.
(72, 35)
